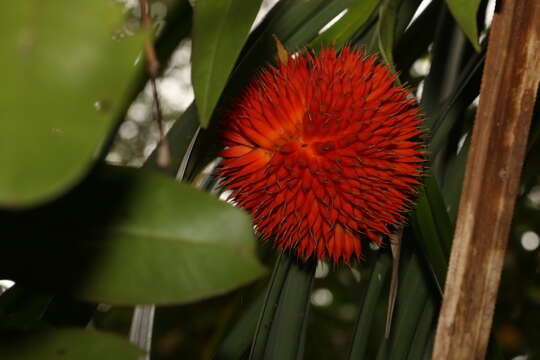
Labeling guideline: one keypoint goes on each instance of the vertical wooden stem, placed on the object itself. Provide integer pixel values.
(509, 85)
(164, 155)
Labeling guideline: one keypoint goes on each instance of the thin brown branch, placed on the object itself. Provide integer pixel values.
(509, 85)
(395, 246)
(143, 315)
(164, 156)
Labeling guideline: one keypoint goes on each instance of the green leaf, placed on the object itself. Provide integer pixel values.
(22, 308)
(394, 16)
(405, 13)
(412, 296)
(137, 237)
(65, 311)
(423, 331)
(464, 11)
(60, 97)
(220, 28)
(321, 14)
(280, 332)
(386, 28)
(433, 229)
(239, 337)
(275, 286)
(452, 187)
(73, 344)
(450, 54)
(534, 133)
(379, 277)
(414, 42)
(428, 350)
(342, 31)
(286, 338)
(467, 88)
(367, 36)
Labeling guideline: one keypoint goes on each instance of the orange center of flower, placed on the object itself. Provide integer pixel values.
(324, 152)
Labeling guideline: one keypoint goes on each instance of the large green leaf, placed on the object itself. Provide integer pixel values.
(64, 81)
(73, 344)
(464, 12)
(129, 236)
(220, 28)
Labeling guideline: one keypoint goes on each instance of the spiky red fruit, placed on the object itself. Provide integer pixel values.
(324, 151)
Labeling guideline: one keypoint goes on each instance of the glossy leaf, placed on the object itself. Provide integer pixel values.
(445, 70)
(405, 13)
(412, 296)
(423, 331)
(464, 12)
(137, 238)
(466, 89)
(394, 16)
(452, 188)
(65, 344)
(60, 102)
(323, 14)
(240, 336)
(275, 286)
(220, 28)
(342, 31)
(414, 42)
(433, 229)
(287, 334)
(445, 98)
(386, 29)
(379, 277)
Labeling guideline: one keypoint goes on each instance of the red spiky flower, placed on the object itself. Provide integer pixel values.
(324, 151)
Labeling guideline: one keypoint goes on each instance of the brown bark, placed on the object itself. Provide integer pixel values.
(509, 85)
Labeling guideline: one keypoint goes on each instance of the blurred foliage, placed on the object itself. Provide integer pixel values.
(60, 73)
(343, 309)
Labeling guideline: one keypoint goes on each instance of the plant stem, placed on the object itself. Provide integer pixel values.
(510, 82)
